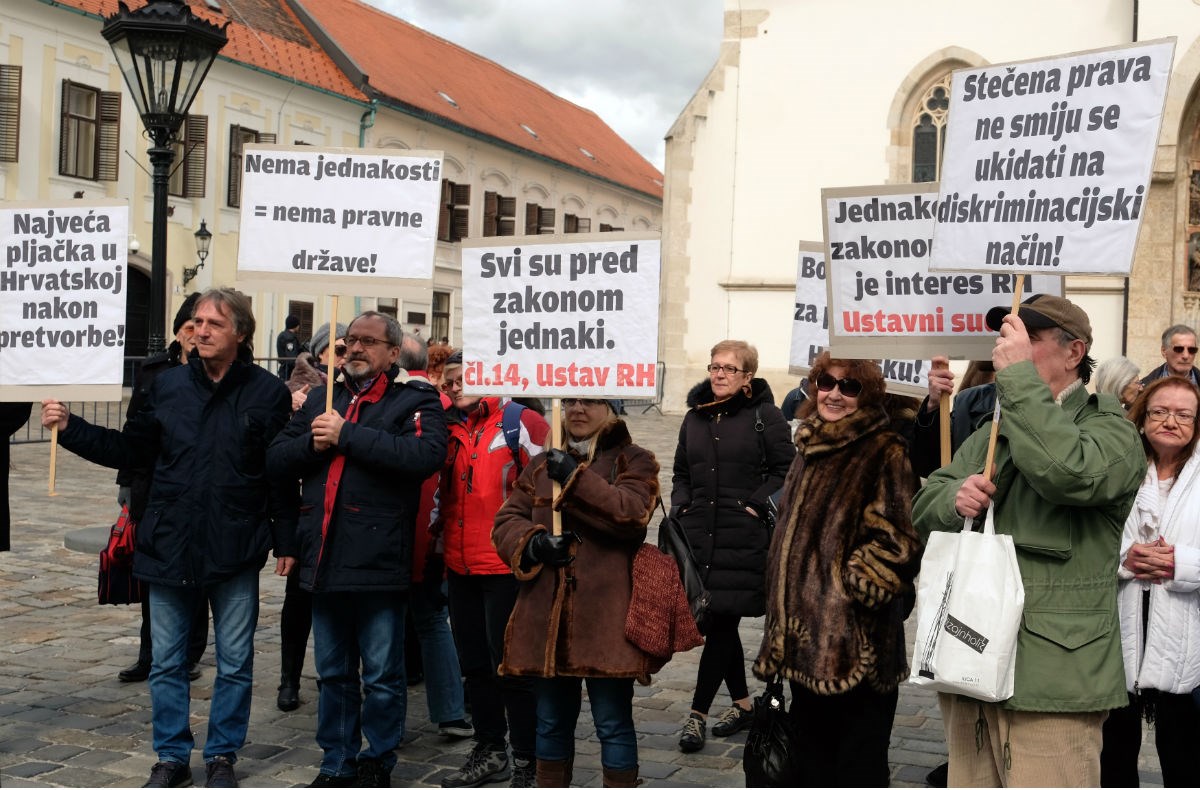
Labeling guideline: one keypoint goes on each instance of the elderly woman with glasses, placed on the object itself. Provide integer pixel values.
(1158, 580)
(840, 577)
(567, 629)
(734, 450)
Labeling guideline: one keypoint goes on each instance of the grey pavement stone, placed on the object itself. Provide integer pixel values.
(31, 769)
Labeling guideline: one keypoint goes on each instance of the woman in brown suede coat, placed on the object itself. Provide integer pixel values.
(568, 626)
(839, 577)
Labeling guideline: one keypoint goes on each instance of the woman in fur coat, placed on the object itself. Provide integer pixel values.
(568, 625)
(734, 449)
(840, 577)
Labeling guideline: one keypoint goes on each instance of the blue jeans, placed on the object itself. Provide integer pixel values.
(350, 628)
(234, 603)
(558, 703)
(443, 678)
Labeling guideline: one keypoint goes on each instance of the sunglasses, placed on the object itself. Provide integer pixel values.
(849, 387)
(1189, 349)
(569, 402)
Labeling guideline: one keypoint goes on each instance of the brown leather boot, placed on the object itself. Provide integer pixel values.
(554, 773)
(626, 778)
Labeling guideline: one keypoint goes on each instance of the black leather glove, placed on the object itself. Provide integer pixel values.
(552, 550)
(560, 465)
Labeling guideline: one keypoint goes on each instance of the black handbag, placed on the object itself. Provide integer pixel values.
(771, 757)
(673, 542)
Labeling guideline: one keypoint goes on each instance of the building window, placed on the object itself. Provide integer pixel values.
(303, 311)
(606, 228)
(90, 132)
(454, 214)
(439, 328)
(10, 112)
(499, 215)
(387, 307)
(929, 132)
(576, 224)
(538, 220)
(239, 136)
(191, 158)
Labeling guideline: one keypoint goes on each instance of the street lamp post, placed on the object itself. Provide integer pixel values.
(164, 52)
(203, 240)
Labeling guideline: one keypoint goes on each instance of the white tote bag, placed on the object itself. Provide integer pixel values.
(969, 605)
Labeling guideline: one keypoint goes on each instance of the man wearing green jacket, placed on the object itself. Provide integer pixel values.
(1066, 469)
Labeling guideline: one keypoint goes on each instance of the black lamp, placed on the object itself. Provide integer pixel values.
(203, 241)
(164, 51)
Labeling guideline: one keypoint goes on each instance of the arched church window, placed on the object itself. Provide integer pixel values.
(929, 131)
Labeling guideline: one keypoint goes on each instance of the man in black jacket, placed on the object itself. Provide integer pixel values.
(361, 466)
(287, 346)
(211, 516)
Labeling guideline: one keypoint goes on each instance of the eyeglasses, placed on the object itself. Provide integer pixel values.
(1160, 415)
(568, 403)
(367, 341)
(339, 350)
(1180, 349)
(449, 384)
(728, 370)
(849, 387)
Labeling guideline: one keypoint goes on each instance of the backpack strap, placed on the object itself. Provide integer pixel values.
(510, 423)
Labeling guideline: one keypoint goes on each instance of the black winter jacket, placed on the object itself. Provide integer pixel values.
(731, 455)
(139, 478)
(359, 499)
(212, 511)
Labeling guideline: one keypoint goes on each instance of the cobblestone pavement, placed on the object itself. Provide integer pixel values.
(65, 720)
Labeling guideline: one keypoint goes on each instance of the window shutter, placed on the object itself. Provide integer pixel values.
(443, 233)
(460, 228)
(195, 168)
(462, 195)
(266, 137)
(546, 220)
(64, 128)
(531, 219)
(491, 209)
(585, 225)
(234, 182)
(570, 223)
(508, 207)
(10, 112)
(109, 137)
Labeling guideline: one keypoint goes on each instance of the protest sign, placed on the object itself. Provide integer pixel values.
(1047, 163)
(341, 217)
(561, 315)
(810, 328)
(883, 296)
(62, 299)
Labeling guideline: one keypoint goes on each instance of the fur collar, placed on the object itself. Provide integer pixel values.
(817, 437)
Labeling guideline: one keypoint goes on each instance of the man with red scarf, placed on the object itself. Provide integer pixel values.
(361, 466)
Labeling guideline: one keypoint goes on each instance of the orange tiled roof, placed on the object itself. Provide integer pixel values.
(286, 48)
(411, 66)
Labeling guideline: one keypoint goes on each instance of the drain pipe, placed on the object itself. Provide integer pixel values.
(366, 122)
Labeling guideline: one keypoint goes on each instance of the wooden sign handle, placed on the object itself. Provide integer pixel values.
(331, 358)
(944, 416)
(991, 452)
(53, 458)
(555, 434)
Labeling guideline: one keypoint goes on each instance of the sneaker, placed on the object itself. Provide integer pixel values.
(219, 772)
(329, 780)
(170, 774)
(693, 735)
(371, 773)
(459, 728)
(484, 765)
(733, 720)
(524, 773)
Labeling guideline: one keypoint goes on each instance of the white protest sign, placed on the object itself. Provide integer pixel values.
(1047, 163)
(62, 299)
(341, 217)
(810, 328)
(882, 294)
(552, 316)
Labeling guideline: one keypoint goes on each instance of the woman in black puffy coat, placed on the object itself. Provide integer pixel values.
(734, 451)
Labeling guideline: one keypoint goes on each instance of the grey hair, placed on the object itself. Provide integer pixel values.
(392, 327)
(1176, 329)
(239, 308)
(1087, 364)
(413, 353)
(1112, 375)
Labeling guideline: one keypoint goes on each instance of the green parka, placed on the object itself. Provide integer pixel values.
(1066, 479)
